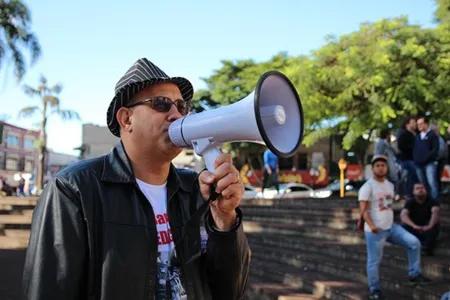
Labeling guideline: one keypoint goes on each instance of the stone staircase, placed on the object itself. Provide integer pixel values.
(15, 221)
(311, 249)
(301, 249)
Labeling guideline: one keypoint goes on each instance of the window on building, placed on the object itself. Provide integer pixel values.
(12, 163)
(28, 143)
(12, 141)
(29, 164)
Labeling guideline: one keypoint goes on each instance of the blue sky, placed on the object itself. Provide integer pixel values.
(89, 45)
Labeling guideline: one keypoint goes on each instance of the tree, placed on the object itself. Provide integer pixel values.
(373, 78)
(15, 35)
(442, 13)
(49, 105)
(355, 84)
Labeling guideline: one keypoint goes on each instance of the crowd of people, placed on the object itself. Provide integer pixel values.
(419, 154)
(411, 168)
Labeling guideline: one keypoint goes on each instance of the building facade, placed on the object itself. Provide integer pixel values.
(96, 141)
(17, 151)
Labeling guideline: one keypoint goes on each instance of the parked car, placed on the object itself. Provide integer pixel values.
(294, 190)
(351, 187)
(250, 192)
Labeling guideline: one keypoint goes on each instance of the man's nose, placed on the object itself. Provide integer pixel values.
(174, 114)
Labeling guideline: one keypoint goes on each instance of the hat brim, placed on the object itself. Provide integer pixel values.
(128, 92)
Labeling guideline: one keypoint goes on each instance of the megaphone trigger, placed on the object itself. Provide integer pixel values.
(209, 150)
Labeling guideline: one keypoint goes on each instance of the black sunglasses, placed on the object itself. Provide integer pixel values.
(164, 104)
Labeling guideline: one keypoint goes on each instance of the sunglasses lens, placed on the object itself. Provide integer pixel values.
(161, 104)
(184, 107)
(164, 104)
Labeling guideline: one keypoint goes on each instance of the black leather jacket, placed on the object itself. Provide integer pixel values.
(93, 236)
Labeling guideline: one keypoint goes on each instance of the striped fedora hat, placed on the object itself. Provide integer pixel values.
(142, 74)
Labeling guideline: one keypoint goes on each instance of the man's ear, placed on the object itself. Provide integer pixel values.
(124, 116)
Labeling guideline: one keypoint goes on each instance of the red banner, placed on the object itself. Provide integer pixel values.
(354, 172)
(287, 176)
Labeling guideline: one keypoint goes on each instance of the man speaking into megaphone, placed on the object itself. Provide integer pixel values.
(129, 225)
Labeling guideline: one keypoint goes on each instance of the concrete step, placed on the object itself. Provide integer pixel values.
(351, 212)
(15, 210)
(18, 201)
(346, 222)
(325, 286)
(15, 219)
(347, 202)
(17, 233)
(308, 231)
(261, 289)
(393, 256)
(301, 211)
(5, 208)
(314, 203)
(390, 279)
(7, 242)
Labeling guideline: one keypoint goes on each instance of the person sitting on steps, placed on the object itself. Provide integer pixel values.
(420, 216)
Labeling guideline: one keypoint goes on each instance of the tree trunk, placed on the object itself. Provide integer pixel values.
(42, 151)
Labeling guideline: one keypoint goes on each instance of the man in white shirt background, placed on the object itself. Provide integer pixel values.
(375, 200)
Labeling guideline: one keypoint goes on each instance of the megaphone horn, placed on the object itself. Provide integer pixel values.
(272, 115)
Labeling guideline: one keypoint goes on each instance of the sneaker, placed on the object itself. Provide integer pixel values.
(419, 279)
(377, 295)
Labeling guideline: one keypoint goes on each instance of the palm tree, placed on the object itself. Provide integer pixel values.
(15, 34)
(49, 105)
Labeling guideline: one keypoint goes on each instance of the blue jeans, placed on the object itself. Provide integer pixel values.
(427, 175)
(375, 244)
(409, 171)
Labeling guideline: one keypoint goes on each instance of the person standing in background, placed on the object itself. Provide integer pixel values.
(426, 148)
(442, 154)
(271, 170)
(405, 143)
(384, 147)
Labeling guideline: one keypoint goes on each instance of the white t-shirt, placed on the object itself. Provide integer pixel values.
(380, 196)
(167, 275)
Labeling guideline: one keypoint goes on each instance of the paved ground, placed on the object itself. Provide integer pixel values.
(11, 265)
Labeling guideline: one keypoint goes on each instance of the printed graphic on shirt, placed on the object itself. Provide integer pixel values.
(168, 279)
(385, 201)
(169, 283)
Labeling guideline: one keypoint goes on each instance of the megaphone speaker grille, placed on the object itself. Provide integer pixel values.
(279, 113)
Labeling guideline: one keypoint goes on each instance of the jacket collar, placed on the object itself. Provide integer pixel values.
(117, 169)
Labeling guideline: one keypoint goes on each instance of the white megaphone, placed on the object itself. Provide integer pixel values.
(272, 115)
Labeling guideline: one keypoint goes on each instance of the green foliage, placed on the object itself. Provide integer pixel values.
(442, 13)
(356, 83)
(15, 35)
(382, 73)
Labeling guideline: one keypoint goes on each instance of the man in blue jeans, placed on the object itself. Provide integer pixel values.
(375, 201)
(271, 169)
(426, 148)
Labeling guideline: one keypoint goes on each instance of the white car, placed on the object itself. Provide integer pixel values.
(250, 192)
(294, 190)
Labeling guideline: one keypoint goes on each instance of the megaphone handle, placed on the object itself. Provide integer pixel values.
(210, 155)
(209, 150)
